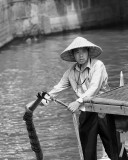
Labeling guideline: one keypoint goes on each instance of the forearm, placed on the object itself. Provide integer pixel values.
(56, 90)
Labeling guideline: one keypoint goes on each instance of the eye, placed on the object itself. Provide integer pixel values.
(76, 51)
(85, 49)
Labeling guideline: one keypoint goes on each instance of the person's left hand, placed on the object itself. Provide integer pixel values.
(73, 106)
(101, 115)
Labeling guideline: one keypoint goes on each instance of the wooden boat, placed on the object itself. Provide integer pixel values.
(114, 102)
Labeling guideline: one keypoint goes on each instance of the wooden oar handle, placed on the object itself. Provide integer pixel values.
(33, 106)
(60, 102)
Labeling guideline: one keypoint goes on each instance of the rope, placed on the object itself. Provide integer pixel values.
(28, 118)
(35, 144)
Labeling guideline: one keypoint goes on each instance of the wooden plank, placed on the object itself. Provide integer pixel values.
(105, 101)
(109, 109)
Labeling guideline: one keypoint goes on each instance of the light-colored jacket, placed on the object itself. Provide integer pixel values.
(88, 82)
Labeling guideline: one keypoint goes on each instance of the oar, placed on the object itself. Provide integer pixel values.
(29, 110)
(76, 128)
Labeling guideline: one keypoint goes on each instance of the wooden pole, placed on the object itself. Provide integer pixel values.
(76, 129)
(33, 105)
(77, 135)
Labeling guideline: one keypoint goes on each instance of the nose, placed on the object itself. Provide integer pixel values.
(81, 54)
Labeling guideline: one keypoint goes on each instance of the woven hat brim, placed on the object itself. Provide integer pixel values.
(79, 42)
(68, 55)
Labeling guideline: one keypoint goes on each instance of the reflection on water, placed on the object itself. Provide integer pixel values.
(27, 69)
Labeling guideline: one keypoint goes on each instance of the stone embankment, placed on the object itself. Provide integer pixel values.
(20, 18)
(5, 23)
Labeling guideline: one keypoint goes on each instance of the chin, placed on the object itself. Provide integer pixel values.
(82, 62)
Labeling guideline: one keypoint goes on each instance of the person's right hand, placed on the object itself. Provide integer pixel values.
(44, 102)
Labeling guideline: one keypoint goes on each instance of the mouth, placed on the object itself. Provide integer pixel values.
(82, 61)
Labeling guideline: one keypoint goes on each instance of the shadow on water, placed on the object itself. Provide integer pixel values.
(27, 69)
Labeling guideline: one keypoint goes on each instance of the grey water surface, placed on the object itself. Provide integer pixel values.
(26, 69)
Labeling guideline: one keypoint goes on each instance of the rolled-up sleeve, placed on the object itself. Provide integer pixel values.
(62, 85)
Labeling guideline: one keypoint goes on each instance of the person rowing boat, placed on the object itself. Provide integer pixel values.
(87, 77)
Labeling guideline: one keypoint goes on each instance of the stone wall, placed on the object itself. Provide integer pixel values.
(123, 10)
(30, 17)
(5, 23)
(49, 16)
(26, 17)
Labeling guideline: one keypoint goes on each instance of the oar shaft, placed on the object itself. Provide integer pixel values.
(76, 129)
(77, 135)
(60, 102)
(35, 104)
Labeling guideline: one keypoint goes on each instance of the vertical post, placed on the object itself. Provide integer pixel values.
(121, 79)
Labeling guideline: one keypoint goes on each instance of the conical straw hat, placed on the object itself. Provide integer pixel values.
(80, 42)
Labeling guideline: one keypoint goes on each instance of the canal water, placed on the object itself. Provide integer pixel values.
(26, 69)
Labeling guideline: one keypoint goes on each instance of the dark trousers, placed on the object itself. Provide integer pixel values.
(90, 125)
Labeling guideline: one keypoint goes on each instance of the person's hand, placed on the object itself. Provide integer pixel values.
(73, 106)
(101, 115)
(87, 99)
(45, 101)
(48, 97)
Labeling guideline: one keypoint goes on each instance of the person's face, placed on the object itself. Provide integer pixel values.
(81, 55)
